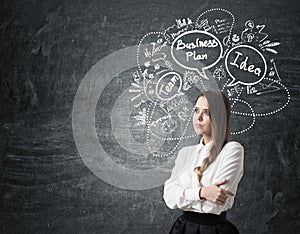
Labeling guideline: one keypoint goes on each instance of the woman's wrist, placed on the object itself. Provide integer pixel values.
(201, 193)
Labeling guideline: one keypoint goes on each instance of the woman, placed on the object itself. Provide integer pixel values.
(205, 177)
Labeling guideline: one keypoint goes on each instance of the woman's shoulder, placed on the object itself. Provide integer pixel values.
(233, 144)
(234, 147)
(188, 149)
(185, 152)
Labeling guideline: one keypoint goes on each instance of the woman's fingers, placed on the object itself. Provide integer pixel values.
(220, 203)
(216, 194)
(228, 192)
(224, 190)
(220, 182)
(221, 199)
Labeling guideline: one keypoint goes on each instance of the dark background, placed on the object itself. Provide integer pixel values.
(46, 48)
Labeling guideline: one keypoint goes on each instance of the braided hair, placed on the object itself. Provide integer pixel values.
(219, 106)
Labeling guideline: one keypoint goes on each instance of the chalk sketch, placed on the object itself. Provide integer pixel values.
(237, 61)
(152, 116)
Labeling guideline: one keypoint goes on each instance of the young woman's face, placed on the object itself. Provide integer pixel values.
(201, 117)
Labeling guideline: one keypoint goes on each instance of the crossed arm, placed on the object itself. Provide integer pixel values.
(211, 198)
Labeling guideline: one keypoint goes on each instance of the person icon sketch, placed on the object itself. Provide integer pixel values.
(204, 180)
(248, 33)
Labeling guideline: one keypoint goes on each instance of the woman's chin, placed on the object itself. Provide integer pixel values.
(198, 131)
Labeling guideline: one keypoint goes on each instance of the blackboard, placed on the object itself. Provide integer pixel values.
(96, 99)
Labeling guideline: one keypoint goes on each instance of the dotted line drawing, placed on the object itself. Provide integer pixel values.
(285, 105)
(240, 113)
(227, 81)
(274, 111)
(140, 43)
(239, 94)
(178, 139)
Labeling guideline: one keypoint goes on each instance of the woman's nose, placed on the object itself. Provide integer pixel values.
(200, 116)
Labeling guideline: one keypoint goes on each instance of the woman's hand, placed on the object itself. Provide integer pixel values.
(215, 194)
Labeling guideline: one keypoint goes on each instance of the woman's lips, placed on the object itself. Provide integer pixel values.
(198, 125)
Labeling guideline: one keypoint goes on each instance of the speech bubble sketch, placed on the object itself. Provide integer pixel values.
(151, 50)
(245, 65)
(153, 60)
(181, 26)
(151, 54)
(219, 22)
(203, 50)
(169, 86)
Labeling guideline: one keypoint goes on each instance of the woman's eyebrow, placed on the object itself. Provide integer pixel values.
(200, 108)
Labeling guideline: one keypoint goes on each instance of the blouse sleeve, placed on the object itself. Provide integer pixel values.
(176, 195)
(231, 169)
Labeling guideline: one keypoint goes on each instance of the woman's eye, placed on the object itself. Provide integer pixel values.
(196, 110)
(206, 112)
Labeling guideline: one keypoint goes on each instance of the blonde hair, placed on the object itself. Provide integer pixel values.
(219, 106)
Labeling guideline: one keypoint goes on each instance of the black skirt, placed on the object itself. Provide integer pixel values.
(198, 223)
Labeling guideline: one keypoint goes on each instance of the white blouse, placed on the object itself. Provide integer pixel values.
(181, 189)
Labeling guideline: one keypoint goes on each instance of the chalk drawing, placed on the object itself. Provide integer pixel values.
(191, 55)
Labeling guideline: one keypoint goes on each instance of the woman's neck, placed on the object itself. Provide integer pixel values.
(206, 139)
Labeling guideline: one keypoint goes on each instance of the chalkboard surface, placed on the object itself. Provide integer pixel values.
(96, 101)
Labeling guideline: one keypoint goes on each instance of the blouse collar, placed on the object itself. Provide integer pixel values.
(201, 145)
